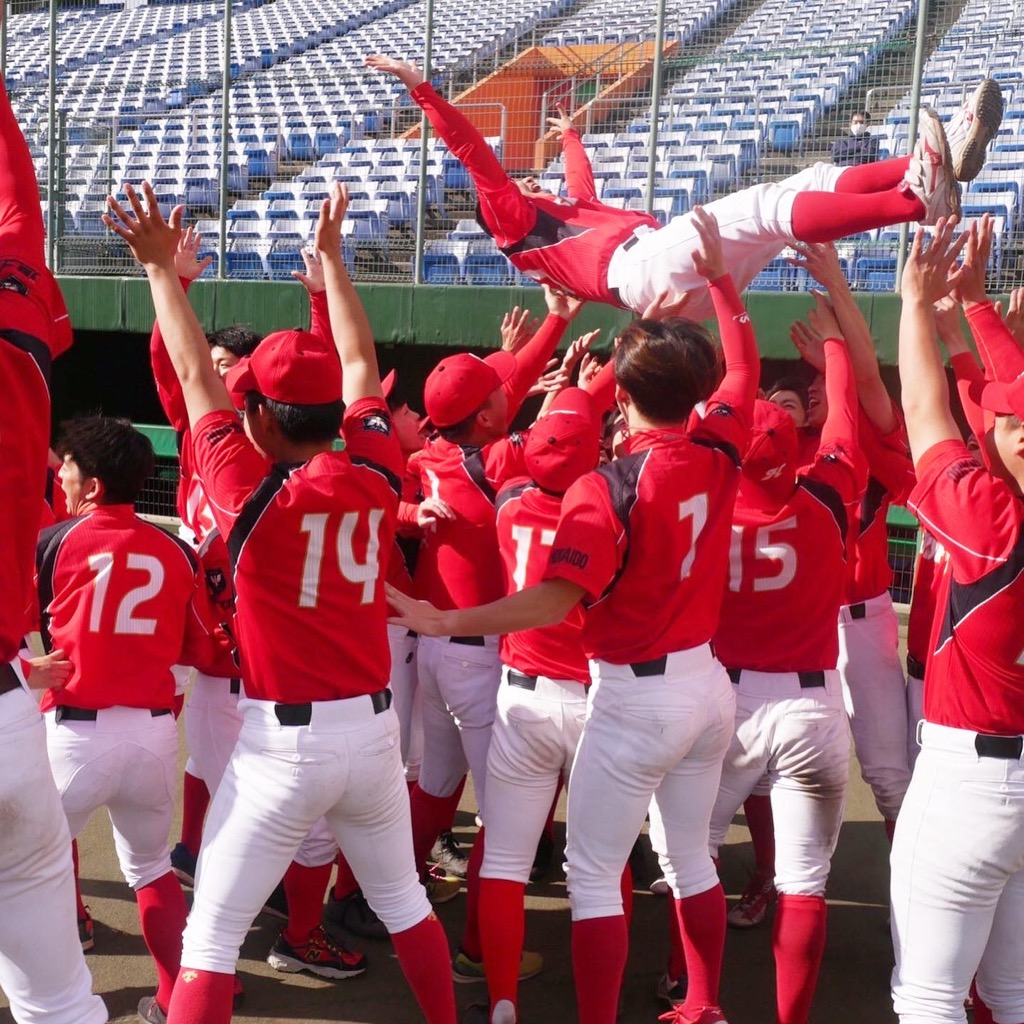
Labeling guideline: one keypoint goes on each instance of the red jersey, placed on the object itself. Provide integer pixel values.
(309, 545)
(220, 592)
(527, 520)
(975, 676)
(123, 599)
(647, 536)
(929, 581)
(564, 242)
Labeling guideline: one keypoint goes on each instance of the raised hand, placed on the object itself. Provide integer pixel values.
(590, 367)
(665, 305)
(327, 240)
(809, 344)
(947, 323)
(561, 303)
(152, 240)
(312, 278)
(821, 261)
(562, 123)
(970, 284)
(517, 328)
(187, 261)
(577, 349)
(928, 273)
(1015, 314)
(822, 318)
(708, 260)
(408, 74)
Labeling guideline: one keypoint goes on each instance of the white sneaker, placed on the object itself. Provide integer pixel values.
(973, 127)
(930, 175)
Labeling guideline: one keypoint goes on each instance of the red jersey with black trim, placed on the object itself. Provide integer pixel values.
(459, 565)
(124, 600)
(309, 545)
(566, 242)
(527, 521)
(975, 676)
(215, 565)
(929, 581)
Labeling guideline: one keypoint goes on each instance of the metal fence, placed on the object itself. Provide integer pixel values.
(678, 103)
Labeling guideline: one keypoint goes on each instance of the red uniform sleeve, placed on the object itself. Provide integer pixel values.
(168, 390)
(320, 318)
(889, 459)
(602, 388)
(228, 465)
(967, 371)
(504, 460)
(531, 360)
(590, 542)
(508, 214)
(973, 514)
(370, 439)
(579, 176)
(200, 646)
(1002, 357)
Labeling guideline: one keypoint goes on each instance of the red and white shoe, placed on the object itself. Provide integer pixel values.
(753, 905)
(973, 127)
(705, 1015)
(930, 175)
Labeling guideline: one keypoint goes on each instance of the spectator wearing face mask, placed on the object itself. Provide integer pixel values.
(859, 147)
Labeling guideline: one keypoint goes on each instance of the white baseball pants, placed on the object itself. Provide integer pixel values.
(958, 883)
(408, 700)
(42, 968)
(875, 692)
(800, 739)
(212, 724)
(344, 766)
(659, 736)
(533, 744)
(915, 715)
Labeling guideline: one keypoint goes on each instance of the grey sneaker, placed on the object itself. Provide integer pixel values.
(930, 175)
(973, 127)
(448, 855)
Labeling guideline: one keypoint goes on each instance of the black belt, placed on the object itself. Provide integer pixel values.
(1008, 748)
(8, 678)
(915, 668)
(236, 684)
(858, 611)
(64, 713)
(469, 641)
(413, 634)
(654, 667)
(630, 242)
(524, 682)
(302, 714)
(808, 680)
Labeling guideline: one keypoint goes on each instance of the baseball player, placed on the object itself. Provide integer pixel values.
(625, 257)
(778, 637)
(42, 969)
(958, 852)
(106, 581)
(644, 543)
(305, 534)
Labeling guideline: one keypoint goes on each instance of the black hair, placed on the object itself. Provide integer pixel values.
(239, 339)
(113, 451)
(400, 395)
(793, 383)
(301, 424)
(458, 431)
(667, 367)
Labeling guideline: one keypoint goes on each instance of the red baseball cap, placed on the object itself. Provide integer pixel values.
(460, 384)
(387, 384)
(295, 367)
(771, 458)
(565, 443)
(1001, 398)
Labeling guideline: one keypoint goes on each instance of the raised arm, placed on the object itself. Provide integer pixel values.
(839, 461)
(154, 242)
(312, 279)
(926, 278)
(962, 362)
(579, 175)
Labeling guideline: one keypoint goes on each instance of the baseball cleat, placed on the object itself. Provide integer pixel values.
(183, 864)
(149, 1011)
(321, 956)
(469, 972)
(448, 856)
(930, 175)
(86, 932)
(440, 889)
(354, 914)
(753, 905)
(973, 127)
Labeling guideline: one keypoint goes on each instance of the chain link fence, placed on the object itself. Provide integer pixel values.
(677, 104)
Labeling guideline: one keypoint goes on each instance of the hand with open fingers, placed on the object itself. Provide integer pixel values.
(822, 318)
(947, 323)
(809, 344)
(970, 286)
(590, 367)
(821, 261)
(554, 378)
(419, 616)
(49, 672)
(327, 240)
(666, 305)
(577, 349)
(709, 259)
(929, 271)
(407, 73)
(152, 240)
(517, 328)
(187, 261)
(430, 510)
(312, 278)
(562, 123)
(1015, 314)
(561, 303)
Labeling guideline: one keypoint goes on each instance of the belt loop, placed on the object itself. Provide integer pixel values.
(919, 730)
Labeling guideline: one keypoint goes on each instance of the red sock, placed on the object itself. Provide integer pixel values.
(422, 952)
(345, 884)
(599, 949)
(626, 889)
(78, 885)
(890, 829)
(758, 812)
(549, 824)
(702, 922)
(876, 177)
(821, 217)
(471, 933)
(304, 888)
(982, 1014)
(202, 997)
(676, 952)
(195, 801)
(162, 914)
(431, 815)
(799, 942)
(501, 936)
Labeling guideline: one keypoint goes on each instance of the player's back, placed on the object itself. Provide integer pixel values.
(117, 595)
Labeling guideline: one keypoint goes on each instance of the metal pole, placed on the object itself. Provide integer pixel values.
(4, 15)
(421, 198)
(652, 145)
(225, 146)
(51, 149)
(915, 103)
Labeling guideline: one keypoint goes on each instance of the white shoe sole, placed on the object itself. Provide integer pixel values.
(290, 965)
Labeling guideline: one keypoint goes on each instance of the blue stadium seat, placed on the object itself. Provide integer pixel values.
(778, 276)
